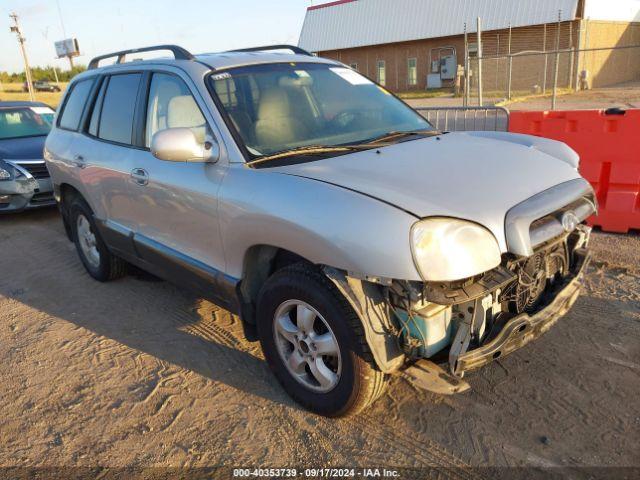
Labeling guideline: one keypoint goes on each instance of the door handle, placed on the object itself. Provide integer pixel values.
(140, 176)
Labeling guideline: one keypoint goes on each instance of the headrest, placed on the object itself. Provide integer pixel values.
(184, 112)
(273, 104)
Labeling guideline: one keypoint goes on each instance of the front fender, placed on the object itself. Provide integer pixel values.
(322, 223)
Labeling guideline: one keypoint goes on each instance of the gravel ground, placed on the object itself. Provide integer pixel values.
(138, 373)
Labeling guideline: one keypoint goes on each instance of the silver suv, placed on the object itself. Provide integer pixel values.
(353, 239)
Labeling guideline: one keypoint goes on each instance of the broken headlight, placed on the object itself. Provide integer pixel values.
(447, 249)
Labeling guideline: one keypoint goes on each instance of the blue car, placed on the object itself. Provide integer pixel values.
(24, 179)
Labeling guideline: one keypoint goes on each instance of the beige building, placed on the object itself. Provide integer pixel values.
(417, 44)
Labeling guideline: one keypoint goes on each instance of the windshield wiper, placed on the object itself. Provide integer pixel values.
(400, 134)
(309, 150)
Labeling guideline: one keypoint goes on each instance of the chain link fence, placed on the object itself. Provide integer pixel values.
(552, 73)
(545, 61)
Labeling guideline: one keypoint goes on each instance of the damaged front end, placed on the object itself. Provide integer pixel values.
(461, 326)
(24, 184)
(436, 331)
(491, 315)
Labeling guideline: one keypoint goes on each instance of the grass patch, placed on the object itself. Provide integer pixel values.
(414, 94)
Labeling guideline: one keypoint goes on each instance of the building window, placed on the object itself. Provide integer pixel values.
(382, 73)
(412, 71)
(354, 66)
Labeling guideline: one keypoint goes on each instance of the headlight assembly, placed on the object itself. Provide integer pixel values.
(4, 174)
(447, 249)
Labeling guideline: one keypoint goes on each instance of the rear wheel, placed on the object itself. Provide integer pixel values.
(314, 343)
(99, 262)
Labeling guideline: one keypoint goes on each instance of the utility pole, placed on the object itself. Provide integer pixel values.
(55, 74)
(27, 71)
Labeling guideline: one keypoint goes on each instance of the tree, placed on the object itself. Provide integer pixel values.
(42, 73)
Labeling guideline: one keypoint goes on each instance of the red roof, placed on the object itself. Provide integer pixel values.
(330, 4)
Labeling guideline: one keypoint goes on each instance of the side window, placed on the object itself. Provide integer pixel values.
(97, 109)
(116, 118)
(171, 105)
(72, 112)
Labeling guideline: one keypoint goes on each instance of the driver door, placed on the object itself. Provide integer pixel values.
(176, 203)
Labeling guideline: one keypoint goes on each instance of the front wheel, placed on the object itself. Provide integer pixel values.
(314, 343)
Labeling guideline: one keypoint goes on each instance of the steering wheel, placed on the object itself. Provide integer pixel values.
(345, 118)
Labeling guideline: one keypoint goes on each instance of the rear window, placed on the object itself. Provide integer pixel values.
(72, 113)
(116, 119)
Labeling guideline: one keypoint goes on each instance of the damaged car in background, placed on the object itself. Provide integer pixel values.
(354, 240)
(24, 178)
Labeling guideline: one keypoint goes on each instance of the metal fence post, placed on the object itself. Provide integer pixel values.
(546, 60)
(571, 56)
(554, 98)
(480, 99)
(577, 55)
(510, 77)
(467, 83)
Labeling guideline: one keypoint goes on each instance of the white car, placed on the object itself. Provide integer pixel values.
(353, 239)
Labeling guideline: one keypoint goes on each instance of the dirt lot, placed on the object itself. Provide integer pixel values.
(137, 373)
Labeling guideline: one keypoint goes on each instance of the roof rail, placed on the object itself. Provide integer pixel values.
(268, 48)
(178, 52)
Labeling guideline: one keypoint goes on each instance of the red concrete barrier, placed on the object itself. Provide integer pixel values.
(608, 143)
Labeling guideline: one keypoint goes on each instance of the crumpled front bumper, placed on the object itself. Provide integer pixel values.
(525, 328)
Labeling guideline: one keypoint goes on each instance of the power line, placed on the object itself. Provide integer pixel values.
(64, 32)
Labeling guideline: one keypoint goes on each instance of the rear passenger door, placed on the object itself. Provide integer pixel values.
(105, 155)
(176, 203)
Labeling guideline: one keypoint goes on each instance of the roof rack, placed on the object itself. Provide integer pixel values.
(268, 48)
(178, 52)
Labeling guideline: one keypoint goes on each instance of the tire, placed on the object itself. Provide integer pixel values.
(356, 381)
(103, 267)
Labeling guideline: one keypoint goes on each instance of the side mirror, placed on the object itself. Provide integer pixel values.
(181, 145)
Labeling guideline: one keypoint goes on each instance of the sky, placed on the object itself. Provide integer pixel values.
(103, 26)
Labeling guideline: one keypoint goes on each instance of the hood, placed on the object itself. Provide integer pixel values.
(476, 176)
(26, 148)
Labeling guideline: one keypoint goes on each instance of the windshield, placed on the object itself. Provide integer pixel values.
(18, 122)
(279, 107)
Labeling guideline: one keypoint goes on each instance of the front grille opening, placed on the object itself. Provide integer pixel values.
(37, 170)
